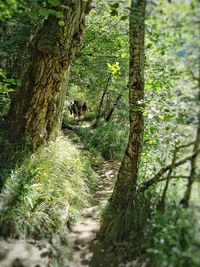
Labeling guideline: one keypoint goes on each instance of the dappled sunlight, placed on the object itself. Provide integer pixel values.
(83, 247)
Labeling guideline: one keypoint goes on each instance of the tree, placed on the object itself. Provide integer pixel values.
(124, 202)
(36, 111)
(193, 161)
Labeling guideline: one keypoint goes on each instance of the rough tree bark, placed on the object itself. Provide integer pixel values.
(124, 199)
(36, 111)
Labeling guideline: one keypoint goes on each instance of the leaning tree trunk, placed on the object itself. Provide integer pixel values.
(121, 215)
(36, 111)
(111, 111)
(99, 111)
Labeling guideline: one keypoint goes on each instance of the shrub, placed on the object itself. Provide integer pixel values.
(110, 139)
(174, 241)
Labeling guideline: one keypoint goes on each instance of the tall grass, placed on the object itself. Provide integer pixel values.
(46, 192)
(109, 139)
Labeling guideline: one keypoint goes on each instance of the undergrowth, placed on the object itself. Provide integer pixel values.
(46, 192)
(10, 156)
(165, 239)
(173, 239)
(109, 139)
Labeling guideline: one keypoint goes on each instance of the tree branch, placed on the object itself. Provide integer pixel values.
(186, 145)
(173, 177)
(146, 184)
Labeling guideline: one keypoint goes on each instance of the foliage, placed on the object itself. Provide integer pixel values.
(174, 242)
(48, 190)
(15, 35)
(6, 87)
(104, 54)
(34, 9)
(108, 139)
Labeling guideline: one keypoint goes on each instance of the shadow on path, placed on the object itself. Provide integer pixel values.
(84, 249)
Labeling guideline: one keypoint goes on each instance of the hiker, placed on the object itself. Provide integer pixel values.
(76, 109)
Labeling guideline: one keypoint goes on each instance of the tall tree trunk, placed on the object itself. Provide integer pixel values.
(36, 111)
(124, 200)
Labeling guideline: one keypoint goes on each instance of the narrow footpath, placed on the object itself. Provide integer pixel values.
(82, 246)
(84, 250)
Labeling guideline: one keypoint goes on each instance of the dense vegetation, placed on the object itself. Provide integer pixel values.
(136, 66)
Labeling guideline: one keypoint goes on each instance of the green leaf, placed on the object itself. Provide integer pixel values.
(147, 87)
(30, 202)
(33, 15)
(11, 81)
(149, 45)
(61, 23)
(162, 51)
(54, 2)
(124, 18)
(43, 12)
(57, 14)
(114, 13)
(166, 117)
(116, 5)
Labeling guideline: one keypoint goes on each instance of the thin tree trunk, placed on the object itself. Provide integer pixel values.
(101, 103)
(124, 199)
(36, 111)
(108, 117)
(128, 173)
(193, 162)
(161, 205)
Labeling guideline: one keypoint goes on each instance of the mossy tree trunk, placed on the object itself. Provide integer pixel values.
(124, 212)
(36, 111)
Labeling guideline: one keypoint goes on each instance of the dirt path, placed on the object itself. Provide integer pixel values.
(83, 249)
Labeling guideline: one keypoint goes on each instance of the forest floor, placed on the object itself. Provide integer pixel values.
(82, 247)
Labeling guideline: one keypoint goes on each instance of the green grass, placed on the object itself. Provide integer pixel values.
(47, 191)
(109, 139)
